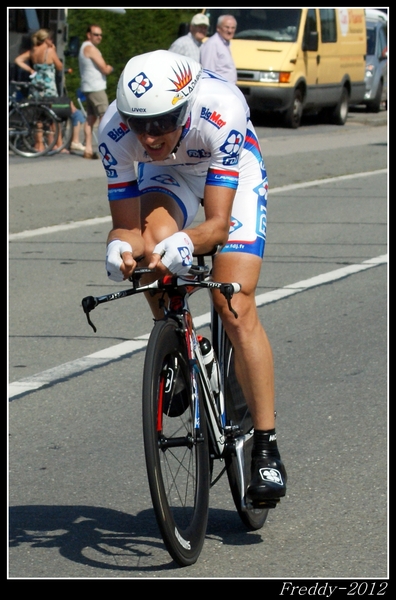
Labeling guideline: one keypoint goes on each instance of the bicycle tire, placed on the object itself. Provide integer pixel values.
(66, 132)
(238, 413)
(176, 444)
(25, 122)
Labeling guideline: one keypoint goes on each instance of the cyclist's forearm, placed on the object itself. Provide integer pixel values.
(133, 238)
(209, 234)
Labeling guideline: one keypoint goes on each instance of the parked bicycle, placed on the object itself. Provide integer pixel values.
(33, 127)
(194, 412)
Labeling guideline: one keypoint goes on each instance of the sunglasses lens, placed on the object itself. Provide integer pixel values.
(157, 126)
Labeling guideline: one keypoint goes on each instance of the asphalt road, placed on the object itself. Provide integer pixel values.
(79, 505)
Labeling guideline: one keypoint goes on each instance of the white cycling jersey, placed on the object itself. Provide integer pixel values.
(218, 147)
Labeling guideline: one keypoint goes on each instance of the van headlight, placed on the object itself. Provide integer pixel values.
(369, 71)
(274, 76)
(269, 76)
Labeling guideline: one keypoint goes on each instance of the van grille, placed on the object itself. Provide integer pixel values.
(248, 75)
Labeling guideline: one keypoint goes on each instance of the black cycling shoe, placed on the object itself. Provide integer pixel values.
(175, 400)
(268, 483)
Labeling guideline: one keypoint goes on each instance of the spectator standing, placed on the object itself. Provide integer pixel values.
(216, 51)
(190, 44)
(42, 62)
(93, 73)
(77, 119)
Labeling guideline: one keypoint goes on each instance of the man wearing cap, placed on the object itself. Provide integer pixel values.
(190, 44)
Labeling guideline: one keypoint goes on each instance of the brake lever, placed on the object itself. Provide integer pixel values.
(227, 291)
(88, 304)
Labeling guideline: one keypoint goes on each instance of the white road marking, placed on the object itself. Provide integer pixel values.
(113, 353)
(97, 359)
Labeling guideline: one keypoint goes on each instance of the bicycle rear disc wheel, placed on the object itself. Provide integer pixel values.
(237, 411)
(32, 126)
(176, 444)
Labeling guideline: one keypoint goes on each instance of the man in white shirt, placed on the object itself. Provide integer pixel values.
(93, 73)
(216, 52)
(190, 44)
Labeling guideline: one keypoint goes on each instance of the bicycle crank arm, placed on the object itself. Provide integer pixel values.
(239, 443)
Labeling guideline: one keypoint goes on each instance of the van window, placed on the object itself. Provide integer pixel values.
(328, 25)
(376, 39)
(310, 24)
(383, 44)
(370, 41)
(275, 25)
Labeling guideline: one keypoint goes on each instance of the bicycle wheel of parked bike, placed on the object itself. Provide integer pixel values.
(175, 443)
(33, 130)
(238, 412)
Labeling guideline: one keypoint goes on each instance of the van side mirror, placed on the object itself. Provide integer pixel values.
(310, 42)
(73, 46)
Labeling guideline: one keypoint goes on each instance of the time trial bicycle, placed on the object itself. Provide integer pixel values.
(194, 411)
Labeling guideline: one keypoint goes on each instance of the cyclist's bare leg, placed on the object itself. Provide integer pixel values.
(253, 357)
(253, 353)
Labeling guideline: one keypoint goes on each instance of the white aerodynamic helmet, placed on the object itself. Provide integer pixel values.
(155, 89)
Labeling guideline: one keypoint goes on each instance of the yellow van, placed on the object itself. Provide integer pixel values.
(299, 60)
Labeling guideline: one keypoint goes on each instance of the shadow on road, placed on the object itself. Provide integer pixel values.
(107, 539)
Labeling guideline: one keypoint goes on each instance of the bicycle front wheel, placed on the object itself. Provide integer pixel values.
(176, 444)
(33, 130)
(239, 415)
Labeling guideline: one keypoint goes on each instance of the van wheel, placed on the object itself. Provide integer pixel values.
(375, 105)
(339, 114)
(292, 116)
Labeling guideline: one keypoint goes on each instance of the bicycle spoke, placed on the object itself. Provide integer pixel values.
(176, 449)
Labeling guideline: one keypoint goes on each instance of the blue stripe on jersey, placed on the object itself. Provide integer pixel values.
(120, 191)
(252, 145)
(222, 178)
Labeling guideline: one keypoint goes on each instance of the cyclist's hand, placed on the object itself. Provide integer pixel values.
(175, 252)
(119, 260)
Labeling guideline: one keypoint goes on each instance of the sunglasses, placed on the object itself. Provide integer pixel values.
(98, 34)
(157, 126)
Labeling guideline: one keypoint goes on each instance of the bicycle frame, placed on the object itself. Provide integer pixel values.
(224, 439)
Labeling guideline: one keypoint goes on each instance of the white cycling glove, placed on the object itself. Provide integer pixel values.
(114, 259)
(177, 253)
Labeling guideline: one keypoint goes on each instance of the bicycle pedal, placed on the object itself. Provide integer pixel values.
(272, 503)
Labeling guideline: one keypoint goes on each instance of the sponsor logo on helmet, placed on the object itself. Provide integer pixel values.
(183, 82)
(212, 117)
(140, 84)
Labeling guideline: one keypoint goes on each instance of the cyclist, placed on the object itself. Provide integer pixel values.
(190, 135)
